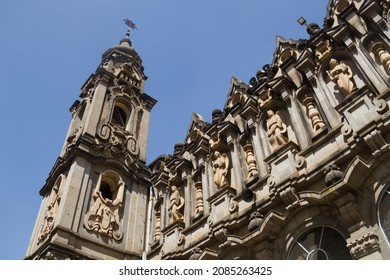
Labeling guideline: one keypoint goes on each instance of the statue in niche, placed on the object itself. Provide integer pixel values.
(220, 169)
(341, 74)
(176, 206)
(276, 130)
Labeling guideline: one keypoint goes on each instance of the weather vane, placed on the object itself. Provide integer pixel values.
(130, 24)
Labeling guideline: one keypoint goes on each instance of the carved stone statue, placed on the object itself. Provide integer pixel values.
(276, 130)
(341, 74)
(220, 169)
(176, 206)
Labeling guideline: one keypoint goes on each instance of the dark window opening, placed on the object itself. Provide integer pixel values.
(119, 116)
(105, 190)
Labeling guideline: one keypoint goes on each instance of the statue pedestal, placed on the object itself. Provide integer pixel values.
(283, 162)
(173, 237)
(221, 204)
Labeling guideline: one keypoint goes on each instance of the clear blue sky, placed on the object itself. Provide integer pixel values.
(190, 50)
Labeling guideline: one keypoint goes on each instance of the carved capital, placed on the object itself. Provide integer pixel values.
(364, 246)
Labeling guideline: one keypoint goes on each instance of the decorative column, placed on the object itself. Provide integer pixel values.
(199, 209)
(379, 50)
(157, 226)
(251, 161)
(312, 112)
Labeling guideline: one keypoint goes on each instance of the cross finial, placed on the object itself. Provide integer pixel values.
(130, 24)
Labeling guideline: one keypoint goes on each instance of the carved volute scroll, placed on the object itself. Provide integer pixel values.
(103, 217)
(52, 208)
(220, 168)
(341, 74)
(276, 130)
(176, 206)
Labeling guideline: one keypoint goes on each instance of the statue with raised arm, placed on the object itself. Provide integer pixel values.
(220, 169)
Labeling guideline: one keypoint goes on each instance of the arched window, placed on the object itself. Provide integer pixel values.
(384, 213)
(320, 243)
(111, 187)
(120, 114)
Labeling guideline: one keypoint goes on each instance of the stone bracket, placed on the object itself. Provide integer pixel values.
(377, 144)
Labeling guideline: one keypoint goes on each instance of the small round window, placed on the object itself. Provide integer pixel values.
(321, 243)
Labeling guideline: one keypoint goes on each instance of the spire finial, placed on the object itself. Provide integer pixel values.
(131, 25)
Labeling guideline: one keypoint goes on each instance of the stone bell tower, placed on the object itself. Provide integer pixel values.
(95, 199)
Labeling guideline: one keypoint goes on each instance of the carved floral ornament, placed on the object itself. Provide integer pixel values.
(103, 216)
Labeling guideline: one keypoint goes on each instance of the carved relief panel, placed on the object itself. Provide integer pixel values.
(52, 209)
(103, 217)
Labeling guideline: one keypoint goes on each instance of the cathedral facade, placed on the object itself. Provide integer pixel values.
(295, 166)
